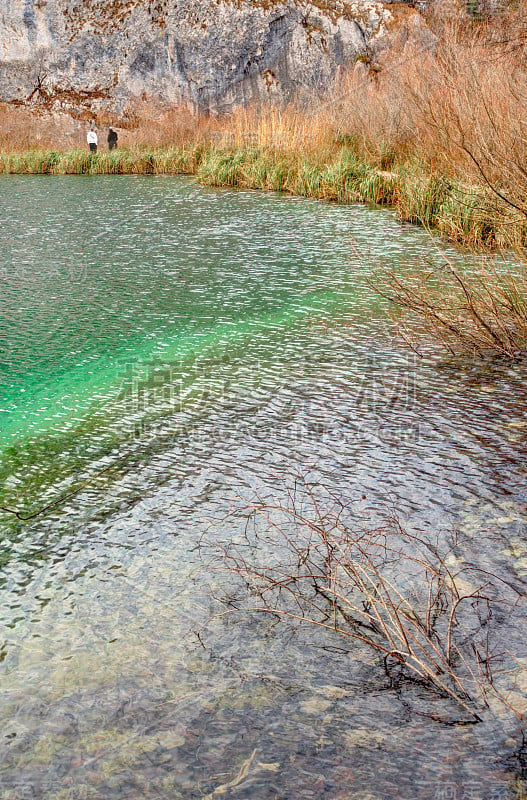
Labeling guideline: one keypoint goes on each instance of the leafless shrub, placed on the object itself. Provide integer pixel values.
(408, 597)
(470, 107)
(478, 309)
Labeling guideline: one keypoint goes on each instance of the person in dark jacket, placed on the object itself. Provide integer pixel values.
(112, 139)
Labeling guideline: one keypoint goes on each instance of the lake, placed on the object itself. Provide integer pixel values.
(170, 354)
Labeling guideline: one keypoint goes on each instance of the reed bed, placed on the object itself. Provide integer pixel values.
(81, 162)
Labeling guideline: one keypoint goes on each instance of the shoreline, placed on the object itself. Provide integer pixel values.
(468, 216)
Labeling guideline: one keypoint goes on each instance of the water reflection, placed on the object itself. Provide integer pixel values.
(184, 381)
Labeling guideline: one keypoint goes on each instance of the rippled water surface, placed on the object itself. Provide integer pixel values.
(168, 353)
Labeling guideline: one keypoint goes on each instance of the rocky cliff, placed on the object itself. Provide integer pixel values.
(211, 54)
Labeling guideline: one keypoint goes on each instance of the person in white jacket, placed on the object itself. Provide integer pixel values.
(92, 139)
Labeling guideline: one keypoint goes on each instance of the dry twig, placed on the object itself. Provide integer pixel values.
(398, 592)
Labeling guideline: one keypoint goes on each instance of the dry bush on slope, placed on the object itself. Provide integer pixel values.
(471, 108)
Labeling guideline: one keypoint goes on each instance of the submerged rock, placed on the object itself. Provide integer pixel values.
(211, 54)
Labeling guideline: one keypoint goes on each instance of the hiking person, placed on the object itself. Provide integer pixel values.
(92, 140)
(112, 139)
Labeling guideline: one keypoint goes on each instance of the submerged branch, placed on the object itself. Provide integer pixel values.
(382, 586)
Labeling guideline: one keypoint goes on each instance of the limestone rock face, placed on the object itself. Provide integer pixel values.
(211, 54)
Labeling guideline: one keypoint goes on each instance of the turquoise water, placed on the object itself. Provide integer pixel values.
(167, 353)
(125, 298)
(103, 274)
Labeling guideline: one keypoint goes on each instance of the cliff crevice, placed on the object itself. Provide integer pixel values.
(211, 55)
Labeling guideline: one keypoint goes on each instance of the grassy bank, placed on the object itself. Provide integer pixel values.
(81, 162)
(435, 130)
(342, 174)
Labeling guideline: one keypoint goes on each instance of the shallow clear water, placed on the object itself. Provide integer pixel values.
(167, 352)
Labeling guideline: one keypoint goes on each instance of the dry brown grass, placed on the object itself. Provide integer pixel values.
(142, 124)
(150, 123)
(289, 128)
(23, 128)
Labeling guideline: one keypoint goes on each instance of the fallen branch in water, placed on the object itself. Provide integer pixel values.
(409, 598)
